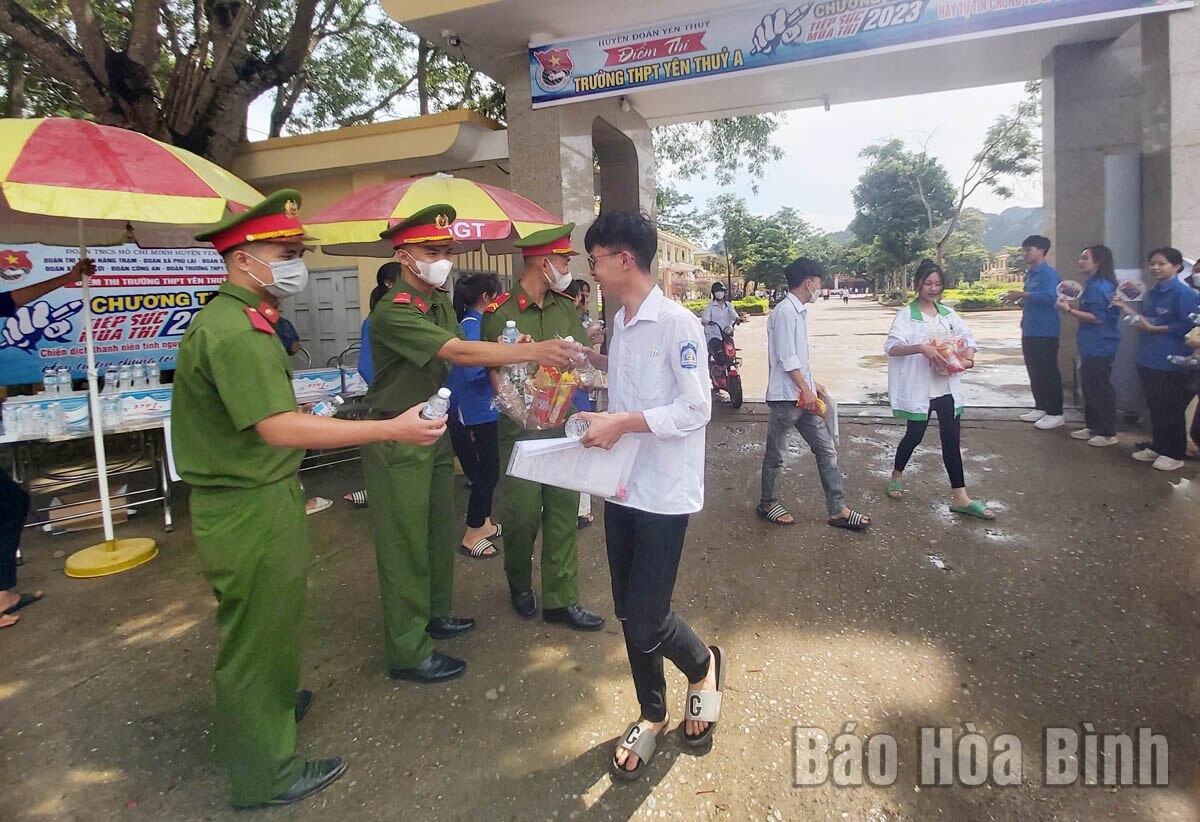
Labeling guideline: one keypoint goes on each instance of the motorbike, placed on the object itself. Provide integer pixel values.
(723, 370)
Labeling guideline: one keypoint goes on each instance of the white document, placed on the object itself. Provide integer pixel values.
(564, 463)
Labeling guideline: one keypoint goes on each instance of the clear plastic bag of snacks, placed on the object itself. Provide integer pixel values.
(951, 347)
(536, 400)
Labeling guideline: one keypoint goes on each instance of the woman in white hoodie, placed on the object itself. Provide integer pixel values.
(917, 390)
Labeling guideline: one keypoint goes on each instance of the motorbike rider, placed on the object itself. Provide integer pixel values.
(718, 315)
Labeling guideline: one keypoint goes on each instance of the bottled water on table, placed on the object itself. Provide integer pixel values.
(111, 413)
(56, 419)
(139, 377)
(49, 381)
(438, 405)
(328, 406)
(153, 375)
(64, 380)
(576, 428)
(125, 378)
(510, 332)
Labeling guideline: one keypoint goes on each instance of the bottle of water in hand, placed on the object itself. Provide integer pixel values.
(510, 332)
(439, 404)
(328, 406)
(585, 370)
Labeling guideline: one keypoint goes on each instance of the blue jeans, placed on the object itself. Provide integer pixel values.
(785, 416)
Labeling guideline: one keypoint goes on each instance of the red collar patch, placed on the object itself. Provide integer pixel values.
(259, 322)
(499, 301)
(404, 298)
(269, 311)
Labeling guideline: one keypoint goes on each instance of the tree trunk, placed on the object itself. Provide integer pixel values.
(14, 91)
(423, 50)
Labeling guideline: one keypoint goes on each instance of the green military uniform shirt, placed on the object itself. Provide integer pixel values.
(232, 373)
(407, 331)
(557, 317)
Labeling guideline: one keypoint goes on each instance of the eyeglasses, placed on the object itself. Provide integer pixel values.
(592, 260)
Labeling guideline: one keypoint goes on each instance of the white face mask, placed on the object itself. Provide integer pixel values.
(561, 279)
(434, 273)
(719, 296)
(290, 277)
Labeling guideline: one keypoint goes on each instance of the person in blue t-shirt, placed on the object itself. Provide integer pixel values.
(1164, 323)
(1040, 327)
(1098, 339)
(473, 422)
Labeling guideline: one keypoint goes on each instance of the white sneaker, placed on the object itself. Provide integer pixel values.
(1050, 421)
(1032, 416)
(1081, 434)
(1100, 441)
(1165, 463)
(1145, 455)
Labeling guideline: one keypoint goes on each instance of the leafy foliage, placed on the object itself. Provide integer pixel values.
(734, 149)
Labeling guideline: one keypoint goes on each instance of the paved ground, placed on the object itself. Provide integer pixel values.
(1077, 605)
(847, 352)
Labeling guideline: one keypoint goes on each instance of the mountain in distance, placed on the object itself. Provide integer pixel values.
(1011, 226)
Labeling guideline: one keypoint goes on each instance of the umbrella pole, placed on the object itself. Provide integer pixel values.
(112, 555)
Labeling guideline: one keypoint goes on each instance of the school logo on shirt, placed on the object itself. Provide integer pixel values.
(687, 355)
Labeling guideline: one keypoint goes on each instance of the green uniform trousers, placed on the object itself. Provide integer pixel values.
(253, 545)
(524, 507)
(411, 489)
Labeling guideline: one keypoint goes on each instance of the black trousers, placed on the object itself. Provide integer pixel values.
(643, 559)
(950, 429)
(1167, 397)
(1045, 381)
(14, 508)
(478, 450)
(1099, 396)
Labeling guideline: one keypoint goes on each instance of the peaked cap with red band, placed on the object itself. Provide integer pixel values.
(548, 241)
(272, 220)
(429, 225)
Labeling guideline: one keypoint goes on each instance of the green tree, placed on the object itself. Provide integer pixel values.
(899, 198)
(674, 213)
(732, 149)
(963, 251)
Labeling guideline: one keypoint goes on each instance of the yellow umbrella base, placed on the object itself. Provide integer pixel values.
(111, 557)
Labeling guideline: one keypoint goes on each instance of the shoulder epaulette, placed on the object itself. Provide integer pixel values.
(259, 322)
(499, 301)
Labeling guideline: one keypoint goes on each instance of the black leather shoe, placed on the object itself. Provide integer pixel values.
(303, 703)
(576, 616)
(523, 602)
(317, 774)
(438, 667)
(449, 627)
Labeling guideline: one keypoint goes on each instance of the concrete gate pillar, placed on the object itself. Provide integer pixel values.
(553, 154)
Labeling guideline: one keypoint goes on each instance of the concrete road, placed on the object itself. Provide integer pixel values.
(1078, 605)
(847, 354)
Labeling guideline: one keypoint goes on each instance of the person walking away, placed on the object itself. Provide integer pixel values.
(1040, 328)
(1164, 324)
(794, 400)
(1097, 339)
(541, 311)
(238, 439)
(917, 388)
(658, 395)
(473, 420)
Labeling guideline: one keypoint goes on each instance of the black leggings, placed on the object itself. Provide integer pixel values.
(478, 450)
(950, 429)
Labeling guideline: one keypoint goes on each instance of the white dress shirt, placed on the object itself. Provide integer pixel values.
(721, 313)
(787, 349)
(658, 364)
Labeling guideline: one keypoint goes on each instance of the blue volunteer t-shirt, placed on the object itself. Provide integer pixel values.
(1040, 316)
(1104, 339)
(1169, 303)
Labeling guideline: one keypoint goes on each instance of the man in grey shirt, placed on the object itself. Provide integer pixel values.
(795, 400)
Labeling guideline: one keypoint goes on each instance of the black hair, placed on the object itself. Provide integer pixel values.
(715, 287)
(468, 290)
(577, 285)
(385, 278)
(1102, 256)
(924, 269)
(1037, 241)
(1173, 255)
(801, 269)
(630, 231)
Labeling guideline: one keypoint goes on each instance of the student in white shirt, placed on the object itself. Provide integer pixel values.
(717, 316)
(917, 391)
(792, 399)
(658, 393)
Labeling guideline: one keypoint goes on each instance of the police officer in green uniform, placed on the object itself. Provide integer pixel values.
(415, 339)
(543, 312)
(238, 438)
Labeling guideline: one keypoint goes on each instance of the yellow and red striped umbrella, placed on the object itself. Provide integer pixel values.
(58, 171)
(486, 214)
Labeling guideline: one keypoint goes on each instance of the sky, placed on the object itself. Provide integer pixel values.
(821, 164)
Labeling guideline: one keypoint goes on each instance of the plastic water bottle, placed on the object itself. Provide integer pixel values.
(510, 332)
(125, 378)
(439, 404)
(64, 381)
(49, 381)
(153, 375)
(56, 419)
(1192, 361)
(139, 377)
(110, 409)
(1195, 317)
(328, 406)
(576, 428)
(1132, 319)
(587, 374)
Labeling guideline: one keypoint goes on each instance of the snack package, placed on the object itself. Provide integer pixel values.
(540, 401)
(951, 348)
